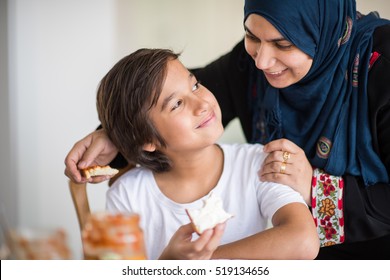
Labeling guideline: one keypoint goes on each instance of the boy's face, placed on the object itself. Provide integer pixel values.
(187, 115)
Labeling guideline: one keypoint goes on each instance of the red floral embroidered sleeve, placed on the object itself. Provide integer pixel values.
(327, 207)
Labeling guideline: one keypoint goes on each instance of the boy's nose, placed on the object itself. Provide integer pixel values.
(200, 106)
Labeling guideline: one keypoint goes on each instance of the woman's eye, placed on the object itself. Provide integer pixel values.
(177, 105)
(284, 46)
(251, 37)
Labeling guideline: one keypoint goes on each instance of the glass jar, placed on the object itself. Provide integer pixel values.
(113, 236)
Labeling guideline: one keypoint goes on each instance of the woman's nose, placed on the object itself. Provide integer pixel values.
(264, 57)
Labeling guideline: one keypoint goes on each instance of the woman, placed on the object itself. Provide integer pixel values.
(312, 73)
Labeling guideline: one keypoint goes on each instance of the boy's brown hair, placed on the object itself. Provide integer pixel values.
(125, 96)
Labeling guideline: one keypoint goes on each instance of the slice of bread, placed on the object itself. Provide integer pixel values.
(211, 214)
(98, 171)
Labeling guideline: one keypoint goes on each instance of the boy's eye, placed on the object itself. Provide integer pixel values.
(196, 86)
(176, 105)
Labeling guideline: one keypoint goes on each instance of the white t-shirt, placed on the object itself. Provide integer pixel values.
(251, 201)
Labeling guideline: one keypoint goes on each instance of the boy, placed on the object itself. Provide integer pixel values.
(161, 118)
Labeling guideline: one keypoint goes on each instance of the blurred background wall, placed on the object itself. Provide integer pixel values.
(53, 53)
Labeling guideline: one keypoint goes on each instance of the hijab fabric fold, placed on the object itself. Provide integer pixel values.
(325, 113)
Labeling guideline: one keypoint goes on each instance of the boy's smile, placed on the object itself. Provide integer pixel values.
(208, 119)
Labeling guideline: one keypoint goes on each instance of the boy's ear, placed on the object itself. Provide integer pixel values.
(150, 147)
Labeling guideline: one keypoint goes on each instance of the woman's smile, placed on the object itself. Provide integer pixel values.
(275, 74)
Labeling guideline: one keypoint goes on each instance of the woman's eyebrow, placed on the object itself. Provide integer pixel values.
(272, 40)
(249, 31)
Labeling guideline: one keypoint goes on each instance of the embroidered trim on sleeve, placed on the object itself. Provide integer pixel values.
(327, 207)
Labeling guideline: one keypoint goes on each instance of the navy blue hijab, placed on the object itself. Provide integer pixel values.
(325, 113)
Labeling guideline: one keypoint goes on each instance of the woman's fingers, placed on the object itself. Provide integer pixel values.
(281, 145)
(286, 163)
(72, 160)
(94, 149)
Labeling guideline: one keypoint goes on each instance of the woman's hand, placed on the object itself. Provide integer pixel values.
(181, 247)
(287, 164)
(95, 149)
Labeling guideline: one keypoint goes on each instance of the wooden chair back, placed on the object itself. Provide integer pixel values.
(80, 197)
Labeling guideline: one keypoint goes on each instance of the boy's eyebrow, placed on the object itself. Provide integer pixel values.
(166, 101)
(273, 40)
(170, 97)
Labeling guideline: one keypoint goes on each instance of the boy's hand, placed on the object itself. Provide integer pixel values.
(181, 247)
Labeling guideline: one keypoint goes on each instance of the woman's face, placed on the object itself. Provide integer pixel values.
(282, 62)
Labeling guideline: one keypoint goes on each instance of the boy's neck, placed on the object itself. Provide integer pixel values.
(192, 177)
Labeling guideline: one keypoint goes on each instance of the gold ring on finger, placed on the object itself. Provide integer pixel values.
(286, 156)
(283, 168)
